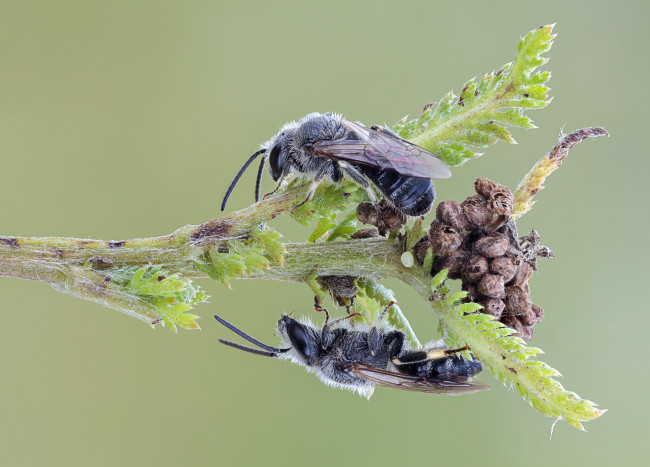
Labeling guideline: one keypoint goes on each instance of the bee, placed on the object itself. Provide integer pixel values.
(324, 146)
(359, 358)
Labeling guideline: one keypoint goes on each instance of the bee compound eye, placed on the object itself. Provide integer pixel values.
(276, 161)
(300, 340)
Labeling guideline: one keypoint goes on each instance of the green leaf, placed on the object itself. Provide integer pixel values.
(330, 200)
(509, 359)
(248, 254)
(371, 300)
(169, 295)
(323, 224)
(477, 117)
(345, 228)
(414, 234)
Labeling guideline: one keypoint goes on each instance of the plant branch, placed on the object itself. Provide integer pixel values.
(151, 278)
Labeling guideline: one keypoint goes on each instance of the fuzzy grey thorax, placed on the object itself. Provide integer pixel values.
(295, 138)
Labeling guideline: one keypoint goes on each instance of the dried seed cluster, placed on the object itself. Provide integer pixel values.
(384, 216)
(478, 243)
(343, 289)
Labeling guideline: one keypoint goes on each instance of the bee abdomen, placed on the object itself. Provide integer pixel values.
(455, 365)
(413, 196)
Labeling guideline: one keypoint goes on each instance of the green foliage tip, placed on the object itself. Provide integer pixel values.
(479, 115)
(508, 357)
(170, 296)
(245, 255)
(330, 200)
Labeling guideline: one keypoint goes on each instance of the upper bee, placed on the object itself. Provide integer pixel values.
(329, 146)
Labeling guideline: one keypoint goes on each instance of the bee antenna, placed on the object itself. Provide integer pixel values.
(250, 339)
(245, 348)
(238, 176)
(258, 181)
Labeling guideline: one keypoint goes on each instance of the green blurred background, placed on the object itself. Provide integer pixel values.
(129, 119)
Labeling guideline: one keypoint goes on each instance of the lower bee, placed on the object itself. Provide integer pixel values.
(358, 358)
(329, 146)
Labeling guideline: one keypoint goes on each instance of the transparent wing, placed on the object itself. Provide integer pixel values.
(391, 379)
(384, 150)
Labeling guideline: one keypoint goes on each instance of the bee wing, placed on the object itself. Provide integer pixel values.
(391, 379)
(383, 150)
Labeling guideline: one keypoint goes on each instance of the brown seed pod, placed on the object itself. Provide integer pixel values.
(368, 232)
(492, 306)
(492, 246)
(421, 247)
(538, 313)
(499, 197)
(500, 200)
(526, 333)
(444, 238)
(472, 291)
(492, 285)
(512, 322)
(523, 275)
(517, 301)
(503, 266)
(514, 254)
(384, 216)
(527, 319)
(453, 261)
(367, 213)
(475, 268)
(340, 288)
(390, 218)
(532, 249)
(451, 213)
(484, 187)
(477, 212)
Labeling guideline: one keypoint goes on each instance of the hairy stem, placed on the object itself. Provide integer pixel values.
(37, 259)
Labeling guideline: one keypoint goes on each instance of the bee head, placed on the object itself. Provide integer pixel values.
(278, 147)
(277, 159)
(304, 340)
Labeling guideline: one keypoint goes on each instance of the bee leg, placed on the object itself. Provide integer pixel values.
(318, 307)
(349, 316)
(359, 178)
(317, 302)
(281, 184)
(318, 178)
(384, 313)
(375, 338)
